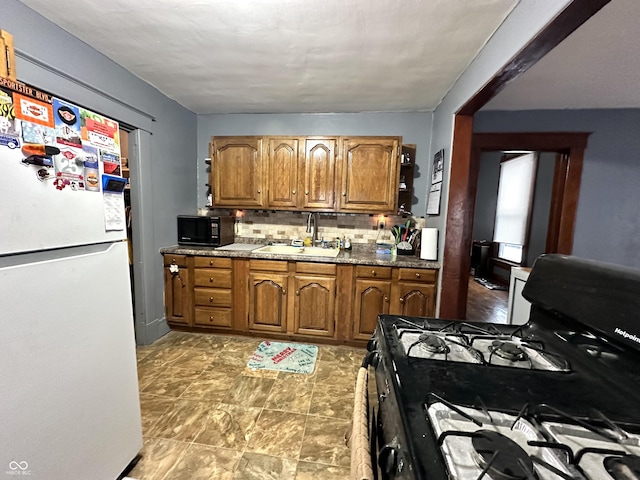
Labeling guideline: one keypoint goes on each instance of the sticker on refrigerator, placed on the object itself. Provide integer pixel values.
(99, 131)
(39, 134)
(67, 123)
(91, 172)
(33, 110)
(69, 165)
(111, 163)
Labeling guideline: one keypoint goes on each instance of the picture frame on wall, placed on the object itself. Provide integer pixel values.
(435, 191)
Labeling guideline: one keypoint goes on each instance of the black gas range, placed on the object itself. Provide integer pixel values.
(556, 398)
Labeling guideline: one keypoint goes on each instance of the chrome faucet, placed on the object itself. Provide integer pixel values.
(313, 219)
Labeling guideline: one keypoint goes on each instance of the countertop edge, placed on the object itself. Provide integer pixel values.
(354, 257)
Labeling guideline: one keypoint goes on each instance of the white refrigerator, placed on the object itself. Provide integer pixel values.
(69, 405)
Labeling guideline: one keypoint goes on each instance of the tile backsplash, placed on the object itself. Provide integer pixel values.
(285, 226)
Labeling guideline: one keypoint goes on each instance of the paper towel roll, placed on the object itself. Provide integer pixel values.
(429, 244)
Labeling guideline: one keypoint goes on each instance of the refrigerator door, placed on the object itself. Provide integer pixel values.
(37, 216)
(69, 389)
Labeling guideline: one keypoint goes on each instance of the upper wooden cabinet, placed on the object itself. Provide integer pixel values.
(237, 172)
(319, 173)
(306, 173)
(369, 177)
(284, 158)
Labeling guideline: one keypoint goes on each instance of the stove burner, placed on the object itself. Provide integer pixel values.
(508, 350)
(433, 343)
(626, 467)
(501, 457)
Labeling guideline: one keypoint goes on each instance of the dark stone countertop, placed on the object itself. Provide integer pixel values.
(357, 256)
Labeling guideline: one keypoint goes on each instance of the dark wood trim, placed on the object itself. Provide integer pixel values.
(456, 260)
(555, 212)
(572, 17)
(464, 177)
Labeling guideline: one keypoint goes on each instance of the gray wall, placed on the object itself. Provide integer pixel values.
(608, 222)
(484, 214)
(164, 166)
(413, 127)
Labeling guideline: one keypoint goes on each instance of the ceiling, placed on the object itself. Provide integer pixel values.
(288, 56)
(598, 66)
(332, 56)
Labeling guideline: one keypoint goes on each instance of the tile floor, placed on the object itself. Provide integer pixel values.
(205, 415)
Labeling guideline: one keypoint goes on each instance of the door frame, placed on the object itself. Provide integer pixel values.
(459, 222)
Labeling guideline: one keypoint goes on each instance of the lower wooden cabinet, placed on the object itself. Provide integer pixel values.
(177, 291)
(288, 299)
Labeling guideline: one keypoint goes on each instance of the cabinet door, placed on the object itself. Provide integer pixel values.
(319, 173)
(284, 156)
(237, 172)
(372, 299)
(177, 296)
(314, 305)
(268, 302)
(415, 300)
(370, 169)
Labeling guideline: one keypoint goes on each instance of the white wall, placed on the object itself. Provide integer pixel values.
(413, 127)
(51, 59)
(527, 19)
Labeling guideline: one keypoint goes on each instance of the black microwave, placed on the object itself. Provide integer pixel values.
(206, 231)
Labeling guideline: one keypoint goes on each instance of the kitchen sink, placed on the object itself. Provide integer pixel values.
(299, 251)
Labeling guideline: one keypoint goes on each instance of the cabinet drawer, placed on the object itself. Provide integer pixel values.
(418, 275)
(180, 260)
(208, 277)
(212, 297)
(269, 265)
(319, 268)
(214, 262)
(363, 271)
(213, 317)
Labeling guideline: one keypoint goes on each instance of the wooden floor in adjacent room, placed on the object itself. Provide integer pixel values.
(484, 305)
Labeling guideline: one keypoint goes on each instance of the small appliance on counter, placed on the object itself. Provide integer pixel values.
(205, 231)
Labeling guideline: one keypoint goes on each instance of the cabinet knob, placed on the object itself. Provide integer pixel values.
(386, 299)
(344, 194)
(298, 293)
(210, 262)
(210, 299)
(401, 300)
(284, 291)
(173, 260)
(211, 318)
(306, 192)
(417, 275)
(259, 191)
(293, 192)
(211, 279)
(374, 273)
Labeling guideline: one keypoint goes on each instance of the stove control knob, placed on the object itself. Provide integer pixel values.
(389, 458)
(375, 359)
(372, 345)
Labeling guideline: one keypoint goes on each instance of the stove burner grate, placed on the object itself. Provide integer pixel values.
(626, 467)
(501, 457)
(433, 344)
(507, 350)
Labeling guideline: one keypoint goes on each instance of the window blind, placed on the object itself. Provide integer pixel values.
(514, 199)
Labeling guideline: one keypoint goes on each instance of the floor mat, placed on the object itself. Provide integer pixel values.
(284, 357)
(490, 285)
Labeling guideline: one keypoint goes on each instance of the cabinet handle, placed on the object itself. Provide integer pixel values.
(401, 300)
(293, 192)
(210, 299)
(298, 293)
(374, 273)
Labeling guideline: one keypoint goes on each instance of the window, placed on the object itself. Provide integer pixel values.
(515, 193)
